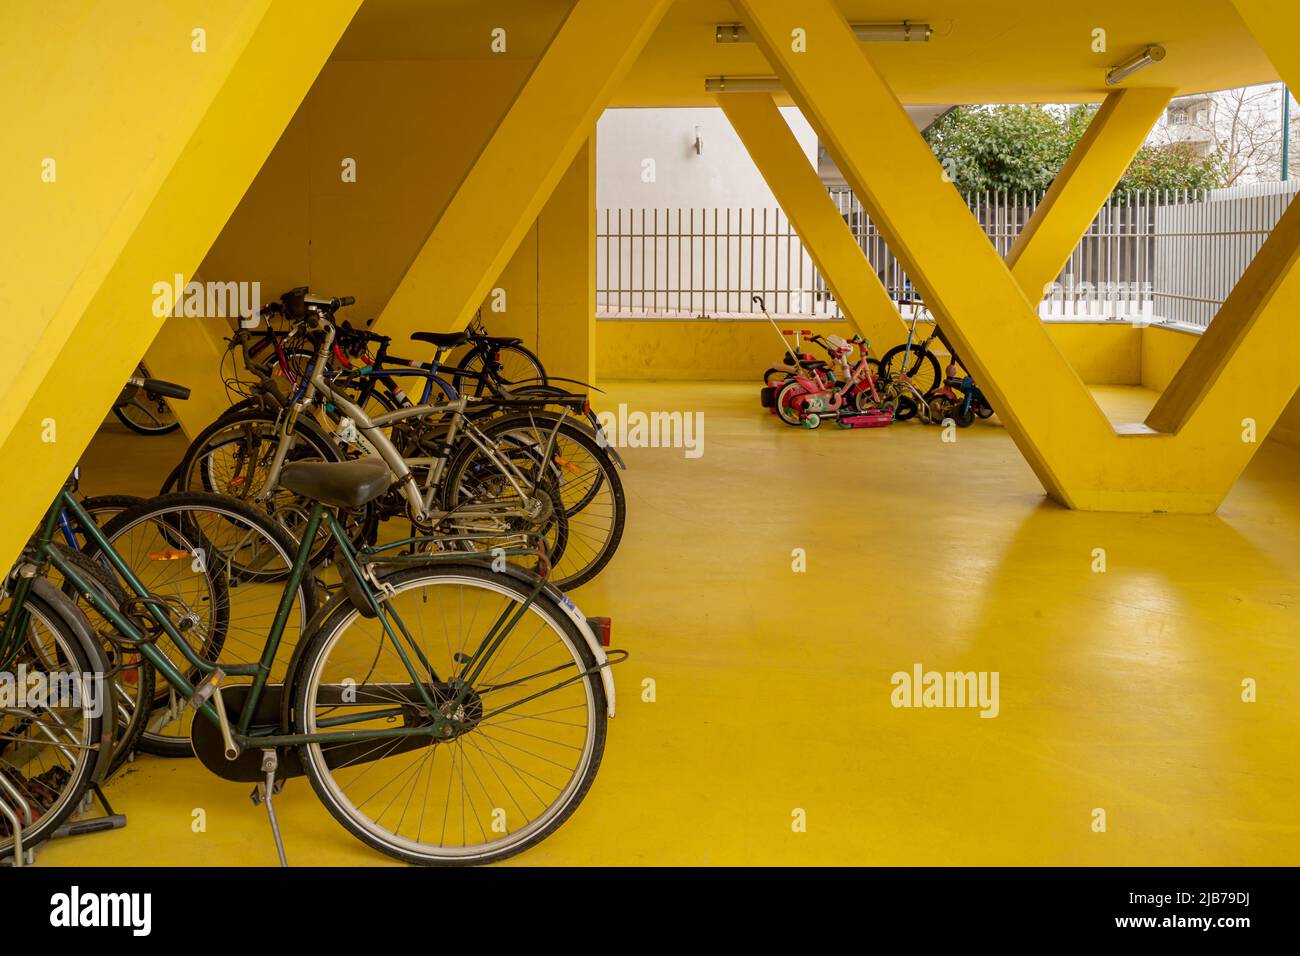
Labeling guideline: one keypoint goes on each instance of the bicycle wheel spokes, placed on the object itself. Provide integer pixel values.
(47, 744)
(222, 568)
(526, 729)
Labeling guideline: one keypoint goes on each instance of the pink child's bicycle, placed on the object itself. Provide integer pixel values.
(841, 387)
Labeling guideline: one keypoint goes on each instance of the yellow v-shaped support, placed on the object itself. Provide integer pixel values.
(121, 186)
(534, 144)
(1096, 164)
(827, 237)
(1081, 459)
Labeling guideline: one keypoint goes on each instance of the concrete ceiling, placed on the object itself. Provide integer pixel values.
(982, 51)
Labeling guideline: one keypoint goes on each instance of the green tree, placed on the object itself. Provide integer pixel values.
(1021, 148)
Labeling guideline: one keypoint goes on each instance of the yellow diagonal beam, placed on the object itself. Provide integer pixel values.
(930, 228)
(827, 237)
(179, 155)
(534, 144)
(1196, 444)
(1247, 363)
(1079, 190)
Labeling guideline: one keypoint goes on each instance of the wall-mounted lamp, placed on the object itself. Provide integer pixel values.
(1126, 68)
(742, 84)
(904, 31)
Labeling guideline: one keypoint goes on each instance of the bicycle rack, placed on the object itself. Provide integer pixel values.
(26, 856)
(19, 855)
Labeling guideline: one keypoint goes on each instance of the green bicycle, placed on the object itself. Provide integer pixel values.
(445, 710)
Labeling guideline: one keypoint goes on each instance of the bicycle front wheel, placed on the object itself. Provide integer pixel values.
(529, 733)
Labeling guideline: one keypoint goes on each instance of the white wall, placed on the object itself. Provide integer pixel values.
(691, 193)
(722, 175)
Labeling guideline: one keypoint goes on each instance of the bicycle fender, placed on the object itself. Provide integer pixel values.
(580, 621)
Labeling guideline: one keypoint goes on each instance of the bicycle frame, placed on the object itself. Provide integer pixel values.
(243, 734)
(419, 501)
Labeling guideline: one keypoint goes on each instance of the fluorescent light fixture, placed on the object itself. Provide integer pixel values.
(904, 31)
(1154, 53)
(742, 84)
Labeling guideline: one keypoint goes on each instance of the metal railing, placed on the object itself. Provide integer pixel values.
(1152, 256)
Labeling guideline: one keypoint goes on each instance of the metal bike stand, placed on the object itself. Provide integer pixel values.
(108, 821)
(20, 857)
(264, 793)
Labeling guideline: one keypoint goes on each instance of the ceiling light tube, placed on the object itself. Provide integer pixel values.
(904, 31)
(1154, 53)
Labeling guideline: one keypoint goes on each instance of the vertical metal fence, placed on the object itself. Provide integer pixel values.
(1161, 256)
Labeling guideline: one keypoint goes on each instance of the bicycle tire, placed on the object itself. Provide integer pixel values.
(229, 620)
(79, 645)
(131, 710)
(197, 472)
(577, 573)
(335, 621)
(916, 368)
(526, 360)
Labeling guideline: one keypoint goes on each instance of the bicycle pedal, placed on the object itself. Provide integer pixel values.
(204, 691)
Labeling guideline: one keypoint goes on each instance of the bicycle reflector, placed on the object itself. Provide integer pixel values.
(601, 627)
(169, 554)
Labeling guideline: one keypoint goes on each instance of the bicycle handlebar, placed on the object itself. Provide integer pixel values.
(159, 387)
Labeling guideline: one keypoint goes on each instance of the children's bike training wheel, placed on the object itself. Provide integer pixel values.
(785, 409)
(527, 739)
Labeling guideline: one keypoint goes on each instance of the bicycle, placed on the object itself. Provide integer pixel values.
(388, 705)
(448, 472)
(910, 375)
(143, 408)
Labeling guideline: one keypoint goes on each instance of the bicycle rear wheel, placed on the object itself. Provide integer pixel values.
(915, 361)
(505, 366)
(589, 488)
(529, 737)
(219, 562)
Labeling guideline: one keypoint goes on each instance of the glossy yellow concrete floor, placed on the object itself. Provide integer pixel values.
(1119, 691)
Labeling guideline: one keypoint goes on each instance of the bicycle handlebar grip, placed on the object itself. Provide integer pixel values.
(167, 389)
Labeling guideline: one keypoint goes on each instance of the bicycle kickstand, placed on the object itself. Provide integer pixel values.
(265, 793)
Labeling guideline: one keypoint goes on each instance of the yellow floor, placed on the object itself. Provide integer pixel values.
(1119, 690)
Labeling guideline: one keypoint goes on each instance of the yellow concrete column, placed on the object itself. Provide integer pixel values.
(825, 234)
(143, 175)
(566, 273)
(1096, 164)
(521, 164)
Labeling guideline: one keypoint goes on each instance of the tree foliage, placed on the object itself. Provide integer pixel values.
(1021, 148)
